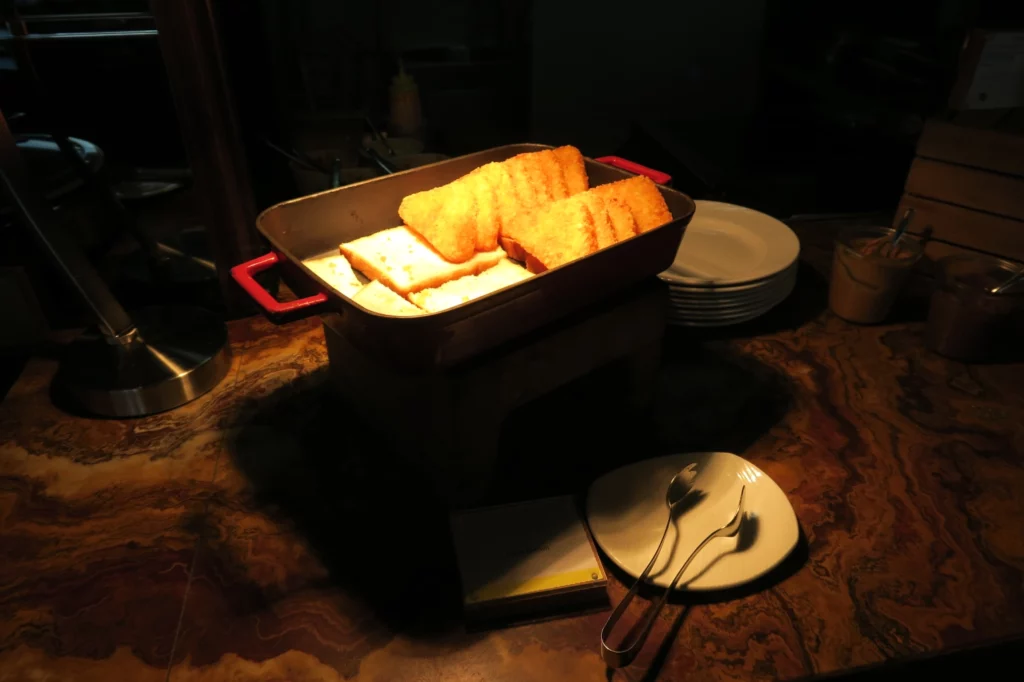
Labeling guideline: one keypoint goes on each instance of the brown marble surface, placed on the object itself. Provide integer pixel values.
(247, 536)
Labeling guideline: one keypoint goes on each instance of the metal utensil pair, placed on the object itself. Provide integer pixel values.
(679, 488)
(1008, 284)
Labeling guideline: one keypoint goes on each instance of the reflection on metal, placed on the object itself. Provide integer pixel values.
(175, 355)
(62, 252)
(80, 35)
(617, 658)
(89, 17)
(151, 361)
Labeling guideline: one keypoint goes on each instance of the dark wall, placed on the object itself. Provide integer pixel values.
(599, 65)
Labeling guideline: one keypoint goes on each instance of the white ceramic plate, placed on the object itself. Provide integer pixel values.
(726, 244)
(775, 289)
(732, 291)
(725, 316)
(689, 320)
(720, 313)
(707, 324)
(714, 289)
(726, 309)
(627, 513)
(720, 321)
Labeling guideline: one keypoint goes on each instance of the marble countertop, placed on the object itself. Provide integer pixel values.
(248, 535)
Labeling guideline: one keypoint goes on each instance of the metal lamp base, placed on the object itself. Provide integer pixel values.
(173, 355)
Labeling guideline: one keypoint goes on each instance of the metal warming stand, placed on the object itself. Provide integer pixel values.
(154, 360)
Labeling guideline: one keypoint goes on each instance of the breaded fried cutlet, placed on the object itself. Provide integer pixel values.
(558, 233)
(539, 171)
(488, 220)
(538, 177)
(602, 221)
(446, 218)
(573, 169)
(585, 222)
(643, 198)
(553, 174)
(470, 213)
(526, 182)
(506, 203)
(623, 224)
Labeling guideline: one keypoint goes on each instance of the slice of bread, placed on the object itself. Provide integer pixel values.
(512, 248)
(377, 298)
(642, 197)
(464, 289)
(405, 263)
(337, 272)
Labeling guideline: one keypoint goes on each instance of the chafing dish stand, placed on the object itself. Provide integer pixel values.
(448, 422)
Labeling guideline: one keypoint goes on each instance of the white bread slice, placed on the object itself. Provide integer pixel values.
(379, 299)
(337, 272)
(405, 263)
(464, 289)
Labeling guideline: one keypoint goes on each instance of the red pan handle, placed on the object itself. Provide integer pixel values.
(243, 274)
(633, 167)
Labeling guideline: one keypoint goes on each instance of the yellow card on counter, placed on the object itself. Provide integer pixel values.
(523, 550)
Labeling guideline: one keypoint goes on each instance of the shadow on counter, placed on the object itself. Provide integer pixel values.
(362, 511)
(334, 484)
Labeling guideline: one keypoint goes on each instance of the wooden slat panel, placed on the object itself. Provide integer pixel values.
(995, 234)
(987, 149)
(935, 249)
(991, 192)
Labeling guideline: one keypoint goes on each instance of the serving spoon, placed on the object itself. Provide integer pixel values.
(679, 488)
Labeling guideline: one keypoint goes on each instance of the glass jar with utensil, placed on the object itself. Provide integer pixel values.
(869, 269)
(976, 301)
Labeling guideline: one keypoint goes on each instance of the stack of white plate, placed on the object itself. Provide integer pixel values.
(733, 265)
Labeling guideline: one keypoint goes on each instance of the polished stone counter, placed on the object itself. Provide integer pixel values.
(251, 535)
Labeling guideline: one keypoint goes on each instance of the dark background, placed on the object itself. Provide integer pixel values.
(792, 106)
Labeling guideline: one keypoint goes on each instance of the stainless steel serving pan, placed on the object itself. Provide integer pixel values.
(312, 226)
